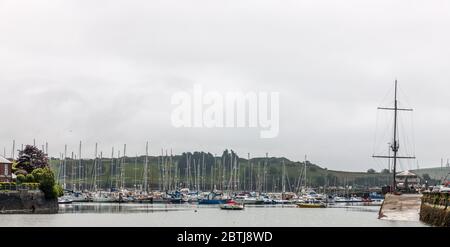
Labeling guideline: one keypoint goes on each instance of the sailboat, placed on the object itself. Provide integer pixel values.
(395, 144)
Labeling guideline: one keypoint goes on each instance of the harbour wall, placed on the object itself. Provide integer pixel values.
(434, 209)
(26, 202)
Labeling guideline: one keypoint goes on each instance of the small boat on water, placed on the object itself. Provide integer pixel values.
(103, 197)
(65, 200)
(232, 205)
(311, 204)
(244, 199)
(352, 199)
(213, 198)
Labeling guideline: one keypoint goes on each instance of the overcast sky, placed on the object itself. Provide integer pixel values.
(105, 71)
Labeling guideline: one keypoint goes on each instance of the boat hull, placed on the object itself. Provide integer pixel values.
(311, 205)
(212, 202)
(231, 207)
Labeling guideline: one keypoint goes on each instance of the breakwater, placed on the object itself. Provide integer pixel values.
(26, 202)
(434, 209)
(404, 207)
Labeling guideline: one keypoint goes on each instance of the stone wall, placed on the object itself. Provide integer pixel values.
(26, 201)
(434, 209)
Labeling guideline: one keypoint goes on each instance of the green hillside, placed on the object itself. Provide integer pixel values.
(256, 174)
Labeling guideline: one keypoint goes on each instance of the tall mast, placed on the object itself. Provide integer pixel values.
(79, 168)
(188, 185)
(123, 166)
(95, 167)
(305, 172)
(283, 183)
(111, 170)
(13, 154)
(250, 170)
(65, 166)
(100, 170)
(146, 169)
(135, 172)
(117, 167)
(395, 144)
(72, 173)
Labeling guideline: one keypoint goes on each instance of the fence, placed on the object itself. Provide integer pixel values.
(22, 186)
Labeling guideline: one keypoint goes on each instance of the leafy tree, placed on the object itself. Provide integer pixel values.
(385, 171)
(46, 180)
(371, 171)
(58, 190)
(31, 158)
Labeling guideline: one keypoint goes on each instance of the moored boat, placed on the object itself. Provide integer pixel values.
(213, 198)
(311, 204)
(65, 200)
(232, 205)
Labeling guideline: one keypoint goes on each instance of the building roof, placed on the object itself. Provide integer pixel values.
(3, 160)
(406, 174)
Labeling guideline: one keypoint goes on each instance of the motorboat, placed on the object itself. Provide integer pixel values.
(65, 200)
(232, 205)
(213, 198)
(243, 199)
(311, 204)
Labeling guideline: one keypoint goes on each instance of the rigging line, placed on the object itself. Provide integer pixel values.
(407, 141)
(413, 134)
(404, 96)
(387, 95)
(375, 134)
(383, 133)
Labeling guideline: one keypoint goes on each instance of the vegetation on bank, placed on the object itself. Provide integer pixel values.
(32, 169)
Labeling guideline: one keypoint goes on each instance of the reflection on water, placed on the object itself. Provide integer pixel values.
(190, 215)
(120, 208)
(109, 208)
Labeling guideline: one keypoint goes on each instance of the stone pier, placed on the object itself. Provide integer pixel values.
(404, 207)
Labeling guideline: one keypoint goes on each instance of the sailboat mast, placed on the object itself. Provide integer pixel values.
(305, 171)
(146, 169)
(111, 169)
(95, 167)
(395, 145)
(13, 154)
(250, 167)
(123, 166)
(79, 168)
(135, 172)
(65, 166)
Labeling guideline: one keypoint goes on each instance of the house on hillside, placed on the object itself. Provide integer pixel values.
(5, 170)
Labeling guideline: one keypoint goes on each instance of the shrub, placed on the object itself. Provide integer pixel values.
(7, 186)
(29, 178)
(21, 178)
(58, 190)
(31, 186)
(46, 180)
(20, 171)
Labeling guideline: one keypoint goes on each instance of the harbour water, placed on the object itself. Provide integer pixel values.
(190, 215)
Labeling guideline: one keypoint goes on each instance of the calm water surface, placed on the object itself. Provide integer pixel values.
(185, 215)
